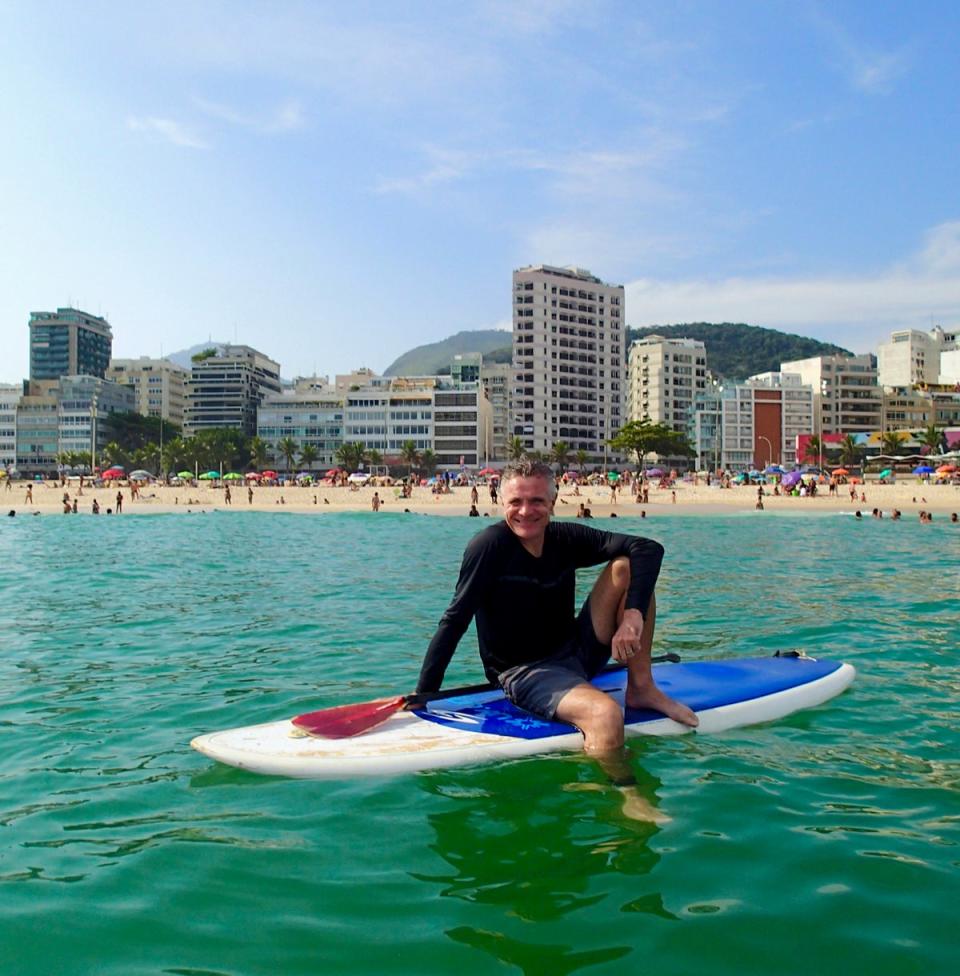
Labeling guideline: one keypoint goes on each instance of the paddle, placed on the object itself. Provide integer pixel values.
(346, 721)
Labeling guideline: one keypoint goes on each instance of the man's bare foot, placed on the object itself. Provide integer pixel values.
(637, 807)
(650, 696)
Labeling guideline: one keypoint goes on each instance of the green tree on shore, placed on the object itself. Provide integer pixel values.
(643, 437)
(287, 447)
(560, 454)
(515, 449)
(351, 455)
(410, 455)
(259, 453)
(931, 436)
(891, 441)
(308, 456)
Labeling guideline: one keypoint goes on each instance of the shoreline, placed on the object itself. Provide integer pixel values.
(910, 499)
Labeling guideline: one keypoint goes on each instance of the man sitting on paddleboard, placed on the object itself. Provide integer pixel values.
(518, 578)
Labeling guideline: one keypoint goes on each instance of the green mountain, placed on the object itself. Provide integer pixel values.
(736, 351)
(435, 357)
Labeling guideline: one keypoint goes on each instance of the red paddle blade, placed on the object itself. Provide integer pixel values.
(344, 721)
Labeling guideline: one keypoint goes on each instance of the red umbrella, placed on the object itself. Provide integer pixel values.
(332, 472)
(252, 476)
(488, 471)
(111, 474)
(269, 474)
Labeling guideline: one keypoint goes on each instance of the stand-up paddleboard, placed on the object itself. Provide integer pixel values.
(483, 726)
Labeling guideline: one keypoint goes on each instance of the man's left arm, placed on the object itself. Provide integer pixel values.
(594, 547)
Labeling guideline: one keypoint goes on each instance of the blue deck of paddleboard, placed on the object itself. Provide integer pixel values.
(698, 684)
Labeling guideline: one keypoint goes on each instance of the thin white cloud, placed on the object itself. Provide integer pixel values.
(167, 129)
(853, 310)
(868, 70)
(586, 173)
(286, 117)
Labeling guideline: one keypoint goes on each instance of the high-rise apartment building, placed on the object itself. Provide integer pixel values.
(226, 387)
(664, 377)
(497, 380)
(159, 386)
(912, 358)
(311, 414)
(85, 409)
(847, 398)
(740, 426)
(449, 417)
(569, 331)
(68, 342)
(71, 415)
(9, 399)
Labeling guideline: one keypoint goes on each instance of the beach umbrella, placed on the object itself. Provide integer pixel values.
(773, 469)
(791, 478)
(332, 472)
(140, 475)
(269, 474)
(186, 475)
(841, 471)
(923, 469)
(210, 476)
(111, 475)
(655, 472)
(252, 476)
(233, 476)
(115, 467)
(946, 469)
(885, 473)
(487, 471)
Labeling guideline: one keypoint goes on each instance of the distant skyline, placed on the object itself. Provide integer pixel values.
(335, 184)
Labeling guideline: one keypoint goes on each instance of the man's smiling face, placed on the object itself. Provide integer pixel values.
(527, 507)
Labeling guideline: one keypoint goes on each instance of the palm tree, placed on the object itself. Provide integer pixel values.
(351, 456)
(259, 451)
(374, 457)
(428, 461)
(890, 442)
(560, 452)
(515, 449)
(814, 449)
(288, 447)
(410, 455)
(113, 453)
(308, 455)
(849, 450)
(582, 458)
(931, 437)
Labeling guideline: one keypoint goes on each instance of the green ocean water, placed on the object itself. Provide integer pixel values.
(824, 843)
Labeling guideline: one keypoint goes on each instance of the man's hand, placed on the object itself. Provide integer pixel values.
(626, 641)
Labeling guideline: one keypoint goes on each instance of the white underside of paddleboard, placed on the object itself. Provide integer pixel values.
(406, 743)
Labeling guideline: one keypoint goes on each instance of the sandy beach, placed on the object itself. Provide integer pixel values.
(910, 497)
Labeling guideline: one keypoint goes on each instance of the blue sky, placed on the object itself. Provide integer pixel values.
(335, 183)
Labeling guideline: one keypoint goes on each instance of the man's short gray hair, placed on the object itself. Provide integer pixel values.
(525, 468)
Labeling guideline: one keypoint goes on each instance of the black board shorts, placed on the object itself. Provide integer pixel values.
(539, 686)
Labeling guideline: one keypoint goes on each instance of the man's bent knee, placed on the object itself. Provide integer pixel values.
(597, 716)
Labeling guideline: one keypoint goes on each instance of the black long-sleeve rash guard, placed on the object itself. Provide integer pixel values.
(524, 605)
